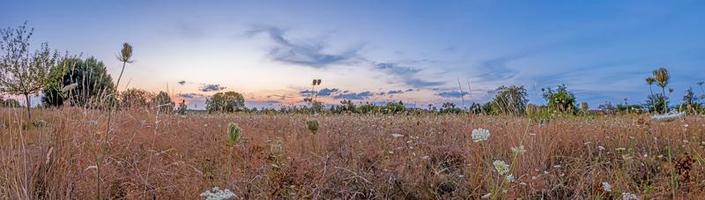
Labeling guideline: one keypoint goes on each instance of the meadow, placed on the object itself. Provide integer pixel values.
(71, 154)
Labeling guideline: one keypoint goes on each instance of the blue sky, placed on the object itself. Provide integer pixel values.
(416, 51)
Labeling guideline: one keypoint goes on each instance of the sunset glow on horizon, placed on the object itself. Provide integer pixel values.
(378, 51)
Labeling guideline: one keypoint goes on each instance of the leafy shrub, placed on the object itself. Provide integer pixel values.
(394, 107)
(560, 99)
(509, 100)
(163, 102)
(135, 99)
(79, 82)
(225, 102)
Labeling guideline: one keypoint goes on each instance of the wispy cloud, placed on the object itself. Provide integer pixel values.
(354, 95)
(311, 54)
(211, 88)
(191, 95)
(408, 75)
(452, 94)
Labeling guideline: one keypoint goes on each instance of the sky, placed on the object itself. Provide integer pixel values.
(419, 52)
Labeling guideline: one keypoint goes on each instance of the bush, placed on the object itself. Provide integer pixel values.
(509, 100)
(163, 102)
(560, 100)
(225, 102)
(79, 82)
(135, 99)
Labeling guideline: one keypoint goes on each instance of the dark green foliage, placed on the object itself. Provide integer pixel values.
(225, 102)
(163, 102)
(79, 82)
(394, 107)
(509, 100)
(657, 103)
(690, 103)
(449, 107)
(181, 110)
(560, 100)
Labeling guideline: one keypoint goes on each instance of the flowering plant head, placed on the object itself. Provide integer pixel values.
(480, 134)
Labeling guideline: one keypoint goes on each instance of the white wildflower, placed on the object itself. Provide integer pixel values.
(480, 134)
(501, 167)
(395, 135)
(620, 149)
(629, 196)
(519, 150)
(510, 178)
(606, 187)
(217, 194)
(601, 148)
(486, 196)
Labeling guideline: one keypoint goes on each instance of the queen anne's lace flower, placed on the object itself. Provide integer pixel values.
(501, 167)
(606, 187)
(480, 134)
(217, 194)
(629, 196)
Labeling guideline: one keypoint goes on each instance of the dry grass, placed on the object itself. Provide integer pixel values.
(147, 155)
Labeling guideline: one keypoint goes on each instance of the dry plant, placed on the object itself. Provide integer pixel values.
(427, 156)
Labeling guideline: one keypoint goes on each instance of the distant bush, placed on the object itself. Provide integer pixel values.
(509, 100)
(163, 102)
(560, 100)
(225, 102)
(79, 82)
(394, 107)
(449, 107)
(657, 103)
(135, 99)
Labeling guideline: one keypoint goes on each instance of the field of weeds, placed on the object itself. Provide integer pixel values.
(69, 154)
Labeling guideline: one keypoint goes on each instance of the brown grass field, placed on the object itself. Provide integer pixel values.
(147, 155)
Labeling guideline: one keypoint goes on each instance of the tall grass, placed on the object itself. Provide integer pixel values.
(156, 155)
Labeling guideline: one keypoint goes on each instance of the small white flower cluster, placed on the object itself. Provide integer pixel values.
(503, 170)
(629, 196)
(217, 194)
(480, 134)
(606, 187)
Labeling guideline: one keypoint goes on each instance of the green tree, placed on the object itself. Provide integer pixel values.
(163, 102)
(135, 99)
(510, 100)
(225, 102)
(79, 82)
(561, 99)
(21, 71)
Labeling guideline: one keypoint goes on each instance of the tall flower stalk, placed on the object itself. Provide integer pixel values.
(124, 57)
